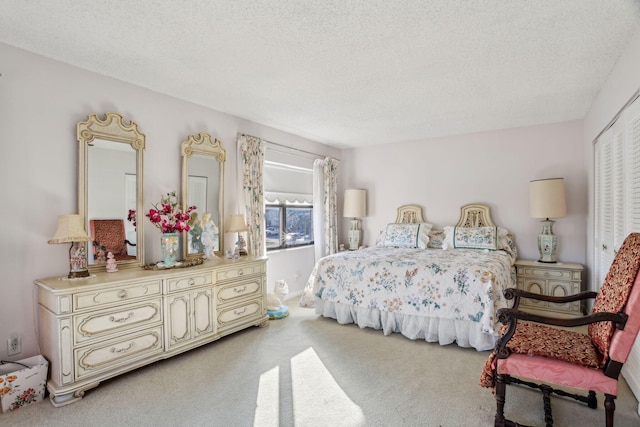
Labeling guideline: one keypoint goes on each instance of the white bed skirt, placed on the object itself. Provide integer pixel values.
(432, 329)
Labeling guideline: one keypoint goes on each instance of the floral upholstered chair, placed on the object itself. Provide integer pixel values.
(591, 361)
(109, 235)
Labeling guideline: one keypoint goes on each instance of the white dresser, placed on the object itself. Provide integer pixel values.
(103, 326)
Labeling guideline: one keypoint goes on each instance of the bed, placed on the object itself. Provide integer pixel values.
(442, 286)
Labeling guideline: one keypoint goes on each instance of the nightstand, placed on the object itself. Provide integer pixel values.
(559, 279)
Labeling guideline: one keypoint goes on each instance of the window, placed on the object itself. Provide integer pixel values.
(288, 189)
(288, 226)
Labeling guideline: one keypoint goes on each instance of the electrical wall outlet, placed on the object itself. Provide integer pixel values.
(14, 345)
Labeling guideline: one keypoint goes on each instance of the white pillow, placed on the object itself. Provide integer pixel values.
(406, 235)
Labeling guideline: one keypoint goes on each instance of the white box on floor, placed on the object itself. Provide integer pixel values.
(22, 382)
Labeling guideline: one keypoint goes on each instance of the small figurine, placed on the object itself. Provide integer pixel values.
(112, 265)
(101, 257)
(210, 235)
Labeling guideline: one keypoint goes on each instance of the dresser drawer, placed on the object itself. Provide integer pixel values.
(185, 282)
(98, 324)
(234, 272)
(240, 290)
(116, 295)
(547, 273)
(94, 359)
(228, 317)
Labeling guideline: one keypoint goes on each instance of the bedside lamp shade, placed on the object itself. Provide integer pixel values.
(71, 230)
(355, 203)
(547, 200)
(355, 207)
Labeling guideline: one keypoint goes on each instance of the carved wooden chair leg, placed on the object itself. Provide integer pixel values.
(501, 386)
(546, 403)
(609, 407)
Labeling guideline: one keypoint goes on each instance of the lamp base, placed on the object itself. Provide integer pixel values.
(78, 274)
(547, 243)
(354, 235)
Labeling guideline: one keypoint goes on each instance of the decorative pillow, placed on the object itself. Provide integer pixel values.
(436, 239)
(475, 238)
(407, 235)
(492, 238)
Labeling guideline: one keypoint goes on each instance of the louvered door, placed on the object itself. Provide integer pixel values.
(617, 204)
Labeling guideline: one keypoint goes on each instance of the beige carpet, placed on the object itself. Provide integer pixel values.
(309, 371)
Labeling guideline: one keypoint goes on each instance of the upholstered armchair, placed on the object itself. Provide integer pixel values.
(109, 235)
(529, 352)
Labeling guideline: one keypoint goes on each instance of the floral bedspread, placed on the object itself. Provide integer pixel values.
(460, 284)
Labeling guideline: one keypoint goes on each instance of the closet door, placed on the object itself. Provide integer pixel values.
(617, 204)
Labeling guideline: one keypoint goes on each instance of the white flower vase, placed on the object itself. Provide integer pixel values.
(169, 248)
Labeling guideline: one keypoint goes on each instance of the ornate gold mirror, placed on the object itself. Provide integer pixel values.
(203, 186)
(110, 189)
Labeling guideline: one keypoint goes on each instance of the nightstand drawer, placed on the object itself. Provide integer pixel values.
(235, 291)
(91, 360)
(96, 325)
(190, 281)
(116, 295)
(547, 274)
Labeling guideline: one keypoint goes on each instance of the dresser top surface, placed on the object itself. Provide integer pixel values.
(62, 283)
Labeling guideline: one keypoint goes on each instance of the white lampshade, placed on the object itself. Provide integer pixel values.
(355, 203)
(237, 224)
(547, 198)
(70, 229)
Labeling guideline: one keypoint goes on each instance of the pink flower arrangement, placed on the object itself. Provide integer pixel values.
(168, 216)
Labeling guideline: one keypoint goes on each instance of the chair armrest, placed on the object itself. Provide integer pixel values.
(510, 317)
(517, 294)
(129, 243)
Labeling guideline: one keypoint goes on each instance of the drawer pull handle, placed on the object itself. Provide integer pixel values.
(121, 319)
(240, 272)
(240, 290)
(604, 247)
(192, 282)
(122, 294)
(123, 350)
(239, 312)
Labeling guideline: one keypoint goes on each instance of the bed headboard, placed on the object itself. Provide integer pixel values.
(409, 214)
(475, 215)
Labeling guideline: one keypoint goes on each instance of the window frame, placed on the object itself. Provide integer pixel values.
(283, 224)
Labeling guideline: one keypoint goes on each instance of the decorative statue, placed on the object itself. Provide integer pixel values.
(195, 234)
(275, 308)
(112, 265)
(210, 235)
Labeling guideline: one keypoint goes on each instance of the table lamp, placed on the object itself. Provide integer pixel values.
(547, 200)
(238, 225)
(71, 230)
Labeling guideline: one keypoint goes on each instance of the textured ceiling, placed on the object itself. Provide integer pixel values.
(346, 73)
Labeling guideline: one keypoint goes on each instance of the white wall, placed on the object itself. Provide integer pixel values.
(41, 102)
(491, 167)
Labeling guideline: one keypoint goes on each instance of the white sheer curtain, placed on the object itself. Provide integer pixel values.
(325, 203)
